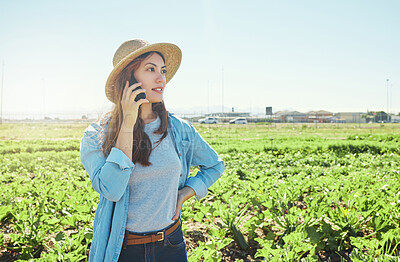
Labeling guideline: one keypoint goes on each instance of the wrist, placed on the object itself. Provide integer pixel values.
(128, 120)
(127, 123)
(127, 126)
(186, 192)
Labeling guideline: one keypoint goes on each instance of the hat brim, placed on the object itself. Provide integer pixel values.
(172, 55)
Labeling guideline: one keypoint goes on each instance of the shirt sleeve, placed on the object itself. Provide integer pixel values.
(109, 175)
(210, 164)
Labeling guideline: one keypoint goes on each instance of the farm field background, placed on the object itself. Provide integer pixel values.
(290, 192)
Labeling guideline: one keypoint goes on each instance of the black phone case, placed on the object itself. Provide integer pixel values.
(139, 96)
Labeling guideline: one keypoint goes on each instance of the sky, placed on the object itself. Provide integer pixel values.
(292, 55)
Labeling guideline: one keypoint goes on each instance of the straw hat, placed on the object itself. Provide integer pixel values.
(131, 49)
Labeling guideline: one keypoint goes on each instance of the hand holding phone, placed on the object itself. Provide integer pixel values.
(130, 109)
(139, 96)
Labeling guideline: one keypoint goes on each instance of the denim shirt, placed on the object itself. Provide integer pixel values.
(110, 175)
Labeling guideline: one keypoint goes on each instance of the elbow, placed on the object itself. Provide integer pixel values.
(113, 197)
(220, 167)
(108, 194)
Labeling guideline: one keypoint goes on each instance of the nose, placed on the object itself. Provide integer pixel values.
(161, 79)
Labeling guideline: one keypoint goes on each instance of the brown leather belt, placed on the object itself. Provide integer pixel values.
(133, 239)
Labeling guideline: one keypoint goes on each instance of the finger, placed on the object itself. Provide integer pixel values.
(124, 93)
(134, 86)
(137, 104)
(128, 90)
(133, 95)
(176, 216)
(178, 210)
(141, 101)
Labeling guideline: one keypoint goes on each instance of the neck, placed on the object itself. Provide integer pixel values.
(147, 114)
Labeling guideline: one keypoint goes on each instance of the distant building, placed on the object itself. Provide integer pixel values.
(230, 114)
(289, 116)
(320, 116)
(350, 117)
(377, 117)
(395, 119)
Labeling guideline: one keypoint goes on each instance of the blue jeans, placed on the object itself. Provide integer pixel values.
(171, 249)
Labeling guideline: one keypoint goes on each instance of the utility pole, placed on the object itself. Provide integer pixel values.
(2, 84)
(387, 88)
(43, 105)
(391, 98)
(208, 96)
(222, 90)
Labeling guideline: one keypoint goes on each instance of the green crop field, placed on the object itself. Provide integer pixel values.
(290, 192)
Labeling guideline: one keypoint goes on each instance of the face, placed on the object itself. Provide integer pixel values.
(152, 74)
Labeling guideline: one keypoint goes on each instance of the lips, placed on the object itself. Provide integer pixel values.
(158, 90)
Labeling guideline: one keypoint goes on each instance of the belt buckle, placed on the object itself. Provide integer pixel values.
(162, 235)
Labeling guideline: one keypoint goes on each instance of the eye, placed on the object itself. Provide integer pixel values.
(150, 69)
(164, 71)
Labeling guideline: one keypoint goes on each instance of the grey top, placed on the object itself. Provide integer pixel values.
(153, 190)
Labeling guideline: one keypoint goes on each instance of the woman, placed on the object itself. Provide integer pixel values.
(138, 158)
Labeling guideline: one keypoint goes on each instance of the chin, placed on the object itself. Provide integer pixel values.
(156, 100)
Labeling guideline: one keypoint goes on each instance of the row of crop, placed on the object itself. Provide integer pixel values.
(39, 162)
(30, 146)
(376, 137)
(277, 146)
(306, 213)
(288, 206)
(281, 146)
(46, 206)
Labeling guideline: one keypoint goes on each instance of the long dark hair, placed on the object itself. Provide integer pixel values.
(142, 147)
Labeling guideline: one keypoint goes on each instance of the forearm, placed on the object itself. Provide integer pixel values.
(183, 195)
(109, 174)
(125, 140)
(112, 178)
(186, 193)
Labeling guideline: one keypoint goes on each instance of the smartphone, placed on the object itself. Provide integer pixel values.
(139, 96)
